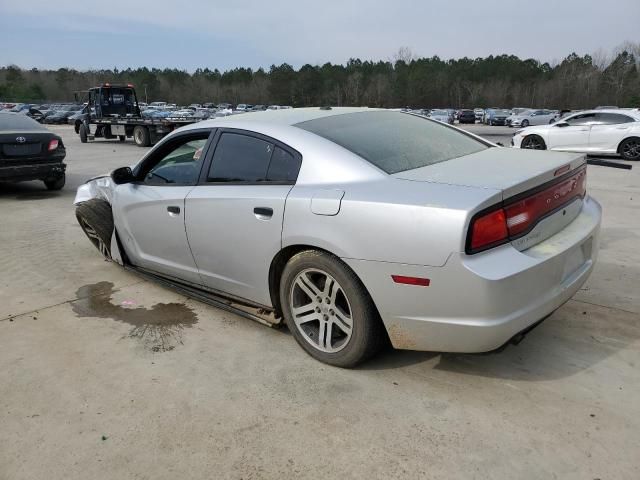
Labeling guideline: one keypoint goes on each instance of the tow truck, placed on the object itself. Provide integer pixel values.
(112, 111)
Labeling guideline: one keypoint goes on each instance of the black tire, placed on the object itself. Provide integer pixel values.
(106, 132)
(76, 126)
(96, 220)
(83, 133)
(367, 332)
(122, 138)
(533, 142)
(525, 123)
(141, 136)
(55, 183)
(630, 149)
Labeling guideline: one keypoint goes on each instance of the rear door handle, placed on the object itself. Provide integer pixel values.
(173, 210)
(263, 213)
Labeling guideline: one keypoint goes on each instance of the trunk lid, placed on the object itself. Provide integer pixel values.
(511, 170)
(543, 177)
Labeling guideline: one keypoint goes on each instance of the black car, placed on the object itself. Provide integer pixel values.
(60, 116)
(28, 151)
(467, 116)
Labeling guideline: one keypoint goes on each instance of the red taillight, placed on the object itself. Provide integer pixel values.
(516, 218)
(489, 229)
(420, 282)
(53, 144)
(523, 214)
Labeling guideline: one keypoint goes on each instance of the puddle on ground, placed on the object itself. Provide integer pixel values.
(158, 328)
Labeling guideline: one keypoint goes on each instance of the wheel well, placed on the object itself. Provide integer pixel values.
(624, 140)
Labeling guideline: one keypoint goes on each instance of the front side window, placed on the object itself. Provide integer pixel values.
(582, 119)
(394, 141)
(179, 164)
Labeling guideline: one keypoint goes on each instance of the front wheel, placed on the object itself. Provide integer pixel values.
(533, 142)
(525, 123)
(83, 133)
(329, 311)
(96, 220)
(630, 149)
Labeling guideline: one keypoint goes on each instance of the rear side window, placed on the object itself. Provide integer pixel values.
(394, 141)
(583, 119)
(612, 118)
(284, 166)
(243, 158)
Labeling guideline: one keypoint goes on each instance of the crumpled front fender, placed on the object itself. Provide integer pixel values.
(99, 187)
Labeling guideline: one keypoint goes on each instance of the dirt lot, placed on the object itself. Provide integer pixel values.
(103, 375)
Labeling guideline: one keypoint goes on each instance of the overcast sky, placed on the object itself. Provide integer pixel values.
(188, 34)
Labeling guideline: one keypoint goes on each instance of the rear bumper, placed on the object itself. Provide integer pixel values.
(477, 303)
(19, 173)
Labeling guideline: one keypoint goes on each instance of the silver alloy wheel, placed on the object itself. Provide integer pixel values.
(95, 238)
(321, 310)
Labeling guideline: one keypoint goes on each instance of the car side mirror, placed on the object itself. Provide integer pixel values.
(122, 175)
(561, 124)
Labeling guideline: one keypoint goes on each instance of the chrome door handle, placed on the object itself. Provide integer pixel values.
(173, 210)
(263, 213)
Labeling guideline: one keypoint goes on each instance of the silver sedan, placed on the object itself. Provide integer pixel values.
(354, 227)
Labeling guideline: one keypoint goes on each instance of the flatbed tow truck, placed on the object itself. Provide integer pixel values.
(112, 111)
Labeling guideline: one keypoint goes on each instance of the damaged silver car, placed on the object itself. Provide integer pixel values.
(354, 226)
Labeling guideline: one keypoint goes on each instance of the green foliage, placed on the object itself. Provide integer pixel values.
(502, 80)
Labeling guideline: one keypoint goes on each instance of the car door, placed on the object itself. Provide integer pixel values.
(571, 133)
(149, 213)
(608, 130)
(234, 216)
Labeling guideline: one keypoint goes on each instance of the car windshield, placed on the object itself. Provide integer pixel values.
(10, 122)
(394, 141)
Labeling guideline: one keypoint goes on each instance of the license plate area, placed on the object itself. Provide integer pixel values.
(20, 149)
(577, 258)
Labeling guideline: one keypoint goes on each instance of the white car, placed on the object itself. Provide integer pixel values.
(532, 117)
(603, 132)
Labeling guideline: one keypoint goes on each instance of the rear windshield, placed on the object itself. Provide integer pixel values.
(394, 141)
(17, 122)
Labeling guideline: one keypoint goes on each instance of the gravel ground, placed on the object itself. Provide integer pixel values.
(104, 375)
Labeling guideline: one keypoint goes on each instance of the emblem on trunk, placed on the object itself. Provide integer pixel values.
(21, 139)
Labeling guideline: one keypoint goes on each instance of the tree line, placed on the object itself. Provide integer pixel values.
(502, 80)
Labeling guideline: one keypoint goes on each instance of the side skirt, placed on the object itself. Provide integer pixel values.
(259, 314)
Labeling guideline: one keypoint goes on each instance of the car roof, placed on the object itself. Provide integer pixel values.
(619, 111)
(284, 117)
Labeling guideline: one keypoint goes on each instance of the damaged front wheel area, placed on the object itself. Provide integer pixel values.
(96, 220)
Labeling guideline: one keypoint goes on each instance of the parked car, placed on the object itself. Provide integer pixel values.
(533, 117)
(243, 107)
(497, 117)
(28, 151)
(467, 116)
(441, 116)
(602, 132)
(274, 216)
(61, 115)
(479, 114)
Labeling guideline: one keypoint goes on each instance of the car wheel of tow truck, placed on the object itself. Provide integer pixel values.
(329, 311)
(83, 133)
(96, 220)
(141, 136)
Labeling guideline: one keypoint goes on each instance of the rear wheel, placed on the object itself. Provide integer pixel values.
(55, 183)
(328, 310)
(83, 133)
(533, 142)
(96, 220)
(141, 136)
(630, 149)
